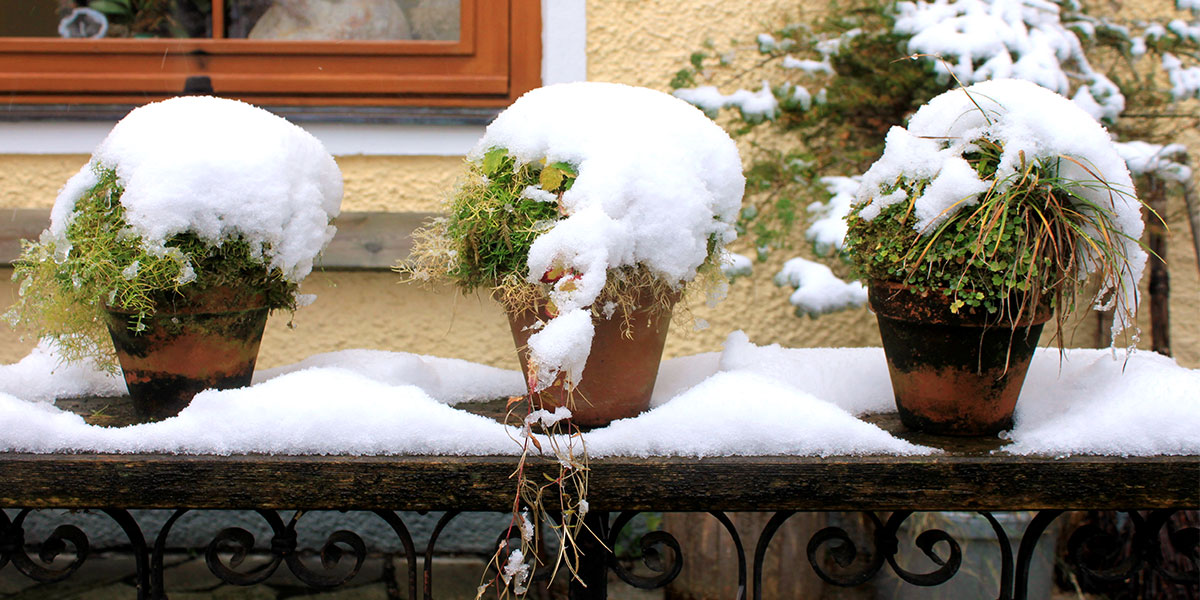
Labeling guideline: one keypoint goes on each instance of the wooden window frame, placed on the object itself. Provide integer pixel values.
(496, 59)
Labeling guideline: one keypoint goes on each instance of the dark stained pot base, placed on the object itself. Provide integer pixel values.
(180, 354)
(952, 374)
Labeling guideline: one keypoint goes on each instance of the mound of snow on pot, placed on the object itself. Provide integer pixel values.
(657, 181)
(1032, 124)
(221, 169)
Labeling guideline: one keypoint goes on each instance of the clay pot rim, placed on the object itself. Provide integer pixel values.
(897, 300)
(666, 304)
(216, 300)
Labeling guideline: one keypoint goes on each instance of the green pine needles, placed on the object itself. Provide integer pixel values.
(66, 284)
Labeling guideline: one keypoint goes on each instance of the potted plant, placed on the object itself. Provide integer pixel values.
(990, 212)
(586, 209)
(195, 217)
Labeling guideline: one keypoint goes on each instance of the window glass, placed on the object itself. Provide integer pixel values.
(106, 18)
(342, 19)
(331, 20)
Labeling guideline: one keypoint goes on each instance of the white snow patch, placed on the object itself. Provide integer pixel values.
(43, 376)
(1185, 81)
(563, 344)
(754, 105)
(789, 401)
(818, 290)
(1101, 404)
(220, 169)
(450, 380)
(735, 265)
(827, 222)
(1146, 158)
(808, 65)
(769, 417)
(978, 40)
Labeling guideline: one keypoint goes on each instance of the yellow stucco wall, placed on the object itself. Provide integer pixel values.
(638, 42)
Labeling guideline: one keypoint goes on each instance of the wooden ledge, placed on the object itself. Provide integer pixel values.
(968, 475)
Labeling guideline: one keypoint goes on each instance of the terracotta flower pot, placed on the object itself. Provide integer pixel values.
(620, 373)
(952, 373)
(209, 340)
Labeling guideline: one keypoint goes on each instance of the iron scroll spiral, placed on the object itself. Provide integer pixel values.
(283, 551)
(925, 541)
(12, 548)
(651, 544)
(842, 550)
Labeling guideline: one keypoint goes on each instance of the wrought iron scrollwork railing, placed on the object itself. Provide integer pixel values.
(833, 553)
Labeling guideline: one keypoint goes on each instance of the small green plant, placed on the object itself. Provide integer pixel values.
(492, 221)
(484, 241)
(1015, 251)
(66, 283)
(1007, 225)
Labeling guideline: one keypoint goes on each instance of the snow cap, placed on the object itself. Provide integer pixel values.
(1032, 124)
(657, 179)
(220, 169)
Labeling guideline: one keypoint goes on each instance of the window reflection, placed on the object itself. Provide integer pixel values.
(244, 19)
(343, 19)
(106, 18)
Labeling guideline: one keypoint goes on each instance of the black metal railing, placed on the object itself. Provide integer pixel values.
(833, 553)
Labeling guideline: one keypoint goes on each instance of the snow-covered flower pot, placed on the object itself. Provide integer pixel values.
(987, 214)
(587, 209)
(194, 218)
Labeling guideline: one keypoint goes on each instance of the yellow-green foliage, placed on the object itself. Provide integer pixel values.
(65, 287)
(492, 224)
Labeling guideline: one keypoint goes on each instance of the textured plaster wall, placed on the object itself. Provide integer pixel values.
(638, 42)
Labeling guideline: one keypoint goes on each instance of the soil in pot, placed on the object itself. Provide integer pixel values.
(952, 373)
(209, 340)
(621, 368)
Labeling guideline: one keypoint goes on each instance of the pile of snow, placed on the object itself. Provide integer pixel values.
(450, 380)
(818, 290)
(753, 105)
(735, 265)
(220, 169)
(1096, 403)
(1185, 81)
(802, 402)
(1144, 158)
(978, 40)
(657, 179)
(43, 376)
(1032, 124)
(827, 227)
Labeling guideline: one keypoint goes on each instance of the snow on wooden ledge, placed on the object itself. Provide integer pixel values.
(746, 400)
